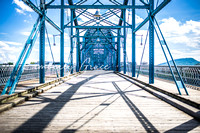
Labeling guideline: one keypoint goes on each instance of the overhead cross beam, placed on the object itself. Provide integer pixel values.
(97, 7)
(37, 10)
(98, 27)
(153, 13)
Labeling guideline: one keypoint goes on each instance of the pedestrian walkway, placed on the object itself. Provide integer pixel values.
(96, 101)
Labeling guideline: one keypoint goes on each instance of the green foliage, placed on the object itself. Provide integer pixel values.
(10, 63)
(32, 63)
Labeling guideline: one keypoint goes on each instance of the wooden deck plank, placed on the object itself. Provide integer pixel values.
(167, 85)
(96, 101)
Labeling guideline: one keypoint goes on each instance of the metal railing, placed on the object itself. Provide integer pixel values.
(190, 74)
(30, 72)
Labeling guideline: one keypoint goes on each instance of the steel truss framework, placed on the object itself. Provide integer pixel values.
(101, 40)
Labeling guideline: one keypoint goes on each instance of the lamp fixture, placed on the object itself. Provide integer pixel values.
(98, 39)
(97, 14)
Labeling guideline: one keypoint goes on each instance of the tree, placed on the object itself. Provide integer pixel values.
(10, 63)
(32, 63)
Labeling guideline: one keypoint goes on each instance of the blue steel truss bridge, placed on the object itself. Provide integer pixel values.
(97, 89)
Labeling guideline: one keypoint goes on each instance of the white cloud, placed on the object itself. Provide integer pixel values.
(138, 19)
(26, 33)
(6, 49)
(181, 33)
(23, 6)
(183, 40)
(26, 21)
(29, 20)
(3, 33)
(30, 16)
(12, 43)
(3, 44)
(20, 11)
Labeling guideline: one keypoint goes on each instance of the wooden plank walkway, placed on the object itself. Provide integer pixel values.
(27, 84)
(169, 86)
(96, 101)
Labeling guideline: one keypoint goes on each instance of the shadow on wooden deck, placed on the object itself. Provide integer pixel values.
(37, 124)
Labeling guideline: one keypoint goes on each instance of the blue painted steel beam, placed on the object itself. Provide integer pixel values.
(50, 2)
(71, 42)
(18, 68)
(118, 51)
(62, 58)
(151, 44)
(119, 17)
(103, 43)
(104, 17)
(124, 48)
(82, 53)
(108, 40)
(75, 18)
(160, 7)
(37, 10)
(84, 42)
(112, 54)
(88, 48)
(133, 42)
(108, 49)
(78, 58)
(96, 36)
(98, 27)
(120, 21)
(143, 2)
(42, 44)
(153, 13)
(81, 2)
(74, 14)
(97, 7)
(180, 83)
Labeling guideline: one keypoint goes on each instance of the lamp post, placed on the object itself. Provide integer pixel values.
(54, 36)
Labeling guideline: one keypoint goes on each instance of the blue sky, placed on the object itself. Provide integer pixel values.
(179, 21)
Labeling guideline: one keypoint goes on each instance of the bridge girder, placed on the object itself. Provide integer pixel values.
(97, 38)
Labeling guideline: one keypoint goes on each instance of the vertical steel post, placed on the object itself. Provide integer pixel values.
(83, 54)
(62, 40)
(124, 49)
(151, 44)
(78, 58)
(133, 41)
(42, 44)
(71, 42)
(114, 61)
(118, 51)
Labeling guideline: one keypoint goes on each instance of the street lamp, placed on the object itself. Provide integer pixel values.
(54, 43)
(97, 14)
(98, 39)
